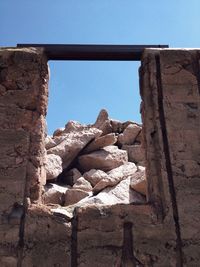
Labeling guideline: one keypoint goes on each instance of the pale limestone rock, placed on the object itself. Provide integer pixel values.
(101, 142)
(101, 118)
(127, 123)
(129, 134)
(118, 194)
(58, 139)
(49, 142)
(70, 177)
(58, 132)
(136, 153)
(72, 196)
(119, 127)
(63, 213)
(74, 126)
(139, 183)
(115, 176)
(103, 122)
(73, 143)
(83, 184)
(54, 193)
(53, 166)
(104, 159)
(94, 176)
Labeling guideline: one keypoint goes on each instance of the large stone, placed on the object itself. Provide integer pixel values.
(136, 153)
(129, 134)
(54, 194)
(53, 166)
(101, 142)
(94, 176)
(139, 182)
(74, 126)
(58, 132)
(49, 142)
(104, 159)
(73, 143)
(73, 196)
(64, 212)
(103, 122)
(115, 176)
(83, 184)
(117, 126)
(118, 194)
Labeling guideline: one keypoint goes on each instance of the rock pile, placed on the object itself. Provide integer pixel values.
(101, 163)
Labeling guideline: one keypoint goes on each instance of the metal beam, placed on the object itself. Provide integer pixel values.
(93, 52)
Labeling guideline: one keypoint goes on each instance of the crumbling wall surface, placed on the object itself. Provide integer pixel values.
(23, 103)
(170, 86)
(178, 78)
(163, 232)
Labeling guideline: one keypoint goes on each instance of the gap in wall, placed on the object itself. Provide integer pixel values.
(78, 90)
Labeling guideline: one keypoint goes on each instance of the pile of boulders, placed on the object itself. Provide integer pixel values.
(101, 163)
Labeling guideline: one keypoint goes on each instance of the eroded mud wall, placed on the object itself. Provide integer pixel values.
(23, 104)
(162, 233)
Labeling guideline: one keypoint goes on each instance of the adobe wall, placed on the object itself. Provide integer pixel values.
(23, 104)
(163, 232)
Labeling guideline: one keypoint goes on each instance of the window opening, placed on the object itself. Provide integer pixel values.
(115, 176)
(105, 167)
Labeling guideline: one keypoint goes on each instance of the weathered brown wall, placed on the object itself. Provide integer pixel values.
(162, 233)
(23, 104)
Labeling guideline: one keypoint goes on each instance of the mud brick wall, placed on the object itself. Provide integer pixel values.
(162, 233)
(23, 104)
(170, 85)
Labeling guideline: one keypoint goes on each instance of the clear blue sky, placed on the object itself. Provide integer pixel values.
(78, 90)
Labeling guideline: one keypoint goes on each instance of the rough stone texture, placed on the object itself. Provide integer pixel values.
(53, 166)
(23, 103)
(164, 232)
(104, 159)
(111, 233)
(103, 123)
(101, 142)
(116, 175)
(139, 182)
(129, 135)
(47, 238)
(73, 126)
(83, 184)
(49, 142)
(72, 143)
(58, 132)
(94, 176)
(117, 126)
(73, 195)
(120, 193)
(54, 194)
(136, 153)
(171, 104)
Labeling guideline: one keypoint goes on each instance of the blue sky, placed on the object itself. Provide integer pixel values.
(78, 90)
